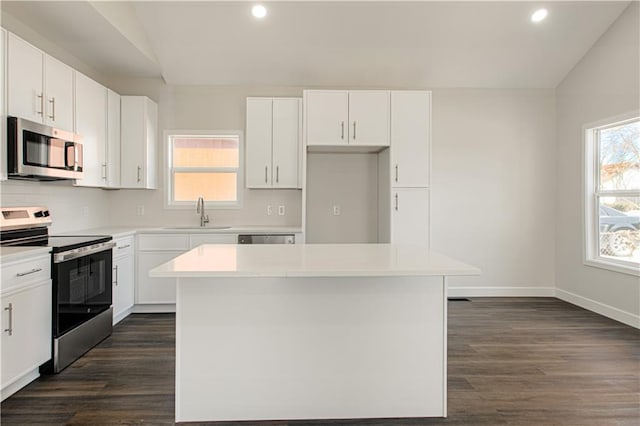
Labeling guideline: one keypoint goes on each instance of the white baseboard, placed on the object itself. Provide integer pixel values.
(19, 383)
(122, 315)
(501, 291)
(160, 308)
(599, 308)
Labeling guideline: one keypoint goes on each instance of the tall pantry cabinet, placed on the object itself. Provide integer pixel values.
(410, 165)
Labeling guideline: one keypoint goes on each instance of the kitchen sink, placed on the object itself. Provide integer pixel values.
(200, 228)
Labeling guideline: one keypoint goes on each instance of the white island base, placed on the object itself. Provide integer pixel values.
(310, 348)
(299, 342)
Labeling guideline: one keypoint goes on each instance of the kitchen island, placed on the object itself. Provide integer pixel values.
(310, 331)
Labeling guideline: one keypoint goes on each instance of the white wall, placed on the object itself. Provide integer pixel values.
(605, 83)
(492, 197)
(349, 181)
(71, 208)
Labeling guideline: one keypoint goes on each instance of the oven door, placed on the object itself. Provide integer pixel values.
(81, 290)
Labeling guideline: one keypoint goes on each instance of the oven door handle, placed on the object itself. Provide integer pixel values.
(82, 251)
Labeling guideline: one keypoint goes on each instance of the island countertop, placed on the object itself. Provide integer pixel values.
(311, 260)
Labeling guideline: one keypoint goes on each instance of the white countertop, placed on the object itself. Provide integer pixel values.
(121, 231)
(310, 260)
(9, 254)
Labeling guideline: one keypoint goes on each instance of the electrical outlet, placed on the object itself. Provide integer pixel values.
(84, 212)
(280, 210)
(336, 210)
(269, 210)
(140, 210)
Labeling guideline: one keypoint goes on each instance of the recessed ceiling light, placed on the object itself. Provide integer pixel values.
(539, 15)
(259, 11)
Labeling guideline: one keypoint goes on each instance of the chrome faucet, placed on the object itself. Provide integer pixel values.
(204, 218)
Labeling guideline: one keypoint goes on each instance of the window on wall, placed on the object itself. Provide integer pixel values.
(613, 194)
(204, 165)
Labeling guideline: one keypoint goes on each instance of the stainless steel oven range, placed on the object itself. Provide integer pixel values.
(81, 278)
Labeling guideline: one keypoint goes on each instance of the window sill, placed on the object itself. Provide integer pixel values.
(615, 266)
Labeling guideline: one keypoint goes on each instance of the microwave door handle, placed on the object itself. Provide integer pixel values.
(70, 147)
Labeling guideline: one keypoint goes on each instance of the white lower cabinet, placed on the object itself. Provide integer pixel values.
(410, 216)
(123, 277)
(159, 294)
(25, 301)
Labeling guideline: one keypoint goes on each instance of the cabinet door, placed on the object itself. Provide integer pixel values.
(58, 85)
(369, 118)
(259, 142)
(113, 139)
(199, 239)
(286, 142)
(25, 80)
(3, 106)
(139, 122)
(132, 141)
(91, 125)
(151, 140)
(29, 344)
(410, 138)
(155, 290)
(327, 117)
(410, 216)
(123, 286)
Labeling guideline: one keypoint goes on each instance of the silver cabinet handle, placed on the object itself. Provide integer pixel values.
(10, 309)
(124, 247)
(33, 271)
(41, 97)
(342, 130)
(354, 130)
(52, 101)
(139, 169)
(104, 171)
(396, 202)
(396, 172)
(265, 173)
(115, 268)
(277, 174)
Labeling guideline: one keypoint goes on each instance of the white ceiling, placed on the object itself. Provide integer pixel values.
(329, 43)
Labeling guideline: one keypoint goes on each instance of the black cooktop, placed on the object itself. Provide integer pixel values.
(39, 237)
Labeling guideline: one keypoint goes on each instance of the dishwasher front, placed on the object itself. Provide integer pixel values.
(266, 239)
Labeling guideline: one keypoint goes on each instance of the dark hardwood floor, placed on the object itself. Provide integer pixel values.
(525, 361)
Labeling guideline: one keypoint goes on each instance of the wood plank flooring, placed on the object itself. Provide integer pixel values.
(520, 361)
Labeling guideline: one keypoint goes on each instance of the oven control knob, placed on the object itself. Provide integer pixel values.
(39, 214)
(46, 213)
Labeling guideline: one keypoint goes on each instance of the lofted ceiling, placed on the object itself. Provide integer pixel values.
(326, 43)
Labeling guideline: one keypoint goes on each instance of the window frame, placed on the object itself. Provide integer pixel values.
(592, 194)
(169, 171)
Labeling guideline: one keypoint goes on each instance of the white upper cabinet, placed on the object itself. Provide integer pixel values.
(113, 139)
(369, 117)
(91, 125)
(327, 113)
(25, 74)
(139, 123)
(259, 142)
(340, 117)
(58, 83)
(273, 142)
(3, 105)
(40, 88)
(410, 138)
(287, 123)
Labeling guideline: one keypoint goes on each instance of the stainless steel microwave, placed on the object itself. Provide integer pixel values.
(39, 152)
